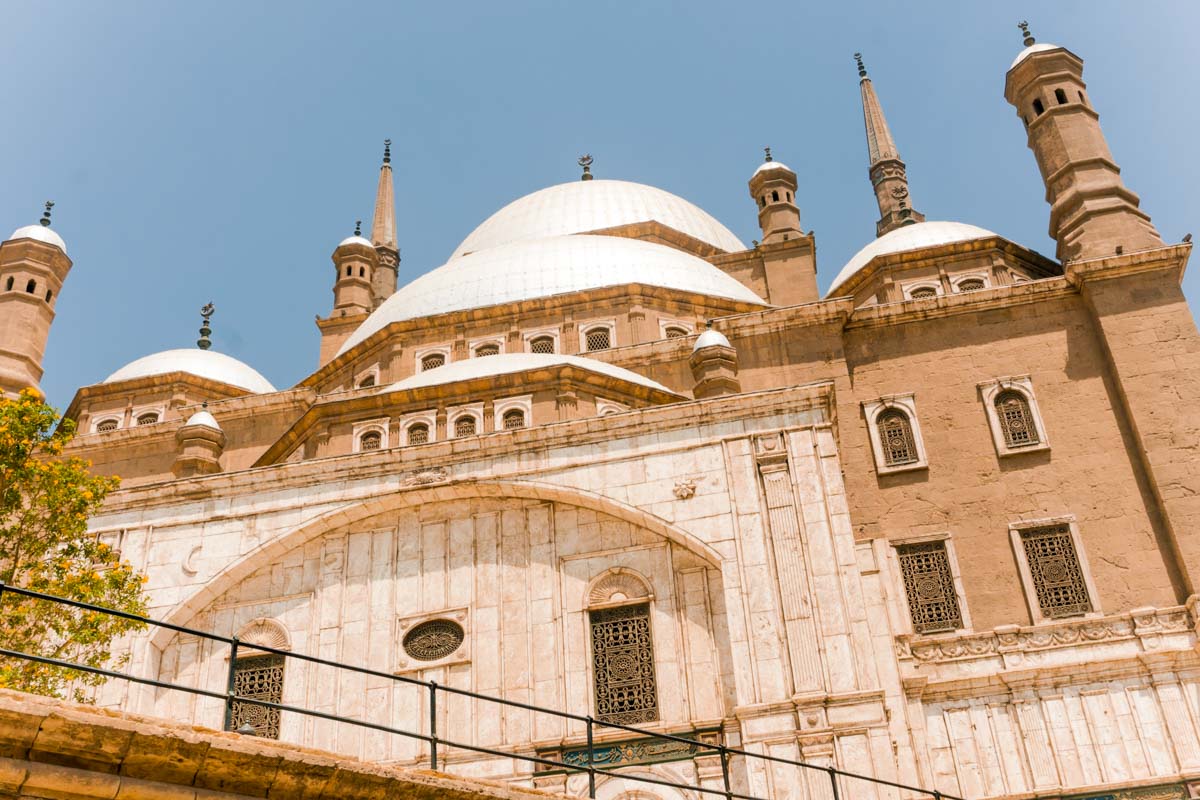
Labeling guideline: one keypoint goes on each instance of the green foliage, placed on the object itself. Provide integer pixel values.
(45, 502)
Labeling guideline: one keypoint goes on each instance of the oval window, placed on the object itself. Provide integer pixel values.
(433, 640)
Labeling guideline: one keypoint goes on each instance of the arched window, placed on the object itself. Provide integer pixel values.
(896, 436)
(371, 440)
(464, 426)
(623, 675)
(922, 293)
(258, 678)
(971, 285)
(106, 425)
(8, 284)
(1060, 96)
(433, 361)
(348, 271)
(1038, 108)
(675, 332)
(1081, 98)
(490, 349)
(514, 418)
(366, 382)
(541, 344)
(149, 418)
(598, 339)
(418, 433)
(49, 294)
(789, 197)
(762, 201)
(1016, 419)
(362, 272)
(31, 287)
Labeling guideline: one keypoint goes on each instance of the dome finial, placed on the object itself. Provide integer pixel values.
(585, 161)
(205, 329)
(45, 220)
(1024, 26)
(358, 227)
(767, 154)
(387, 151)
(862, 71)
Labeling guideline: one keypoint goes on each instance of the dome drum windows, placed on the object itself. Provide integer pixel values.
(418, 428)
(464, 424)
(970, 283)
(106, 425)
(1013, 416)
(673, 328)
(513, 419)
(513, 413)
(432, 358)
(147, 418)
(922, 290)
(895, 434)
(370, 435)
(367, 378)
(543, 344)
(418, 433)
(486, 347)
(595, 336)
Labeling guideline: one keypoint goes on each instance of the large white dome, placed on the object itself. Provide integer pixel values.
(584, 206)
(545, 267)
(909, 237)
(204, 363)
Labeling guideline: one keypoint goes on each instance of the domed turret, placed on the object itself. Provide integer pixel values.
(714, 364)
(773, 187)
(200, 443)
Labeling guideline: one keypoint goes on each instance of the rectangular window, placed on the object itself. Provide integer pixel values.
(258, 678)
(623, 662)
(929, 585)
(1055, 572)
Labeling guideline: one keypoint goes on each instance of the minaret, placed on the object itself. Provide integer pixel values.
(354, 263)
(1092, 214)
(33, 267)
(788, 254)
(886, 170)
(383, 232)
(773, 187)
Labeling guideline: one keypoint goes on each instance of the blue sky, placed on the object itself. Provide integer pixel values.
(219, 151)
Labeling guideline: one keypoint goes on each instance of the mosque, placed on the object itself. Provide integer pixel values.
(932, 526)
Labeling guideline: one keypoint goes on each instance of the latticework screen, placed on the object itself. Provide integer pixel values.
(1016, 419)
(464, 426)
(623, 661)
(896, 436)
(929, 584)
(259, 678)
(1055, 570)
(542, 344)
(418, 434)
(433, 361)
(598, 339)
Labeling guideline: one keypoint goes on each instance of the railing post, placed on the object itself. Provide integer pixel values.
(833, 781)
(591, 760)
(229, 684)
(433, 739)
(725, 771)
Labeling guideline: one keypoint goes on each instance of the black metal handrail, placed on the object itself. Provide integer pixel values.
(230, 697)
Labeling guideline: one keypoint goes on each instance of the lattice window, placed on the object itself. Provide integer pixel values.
(258, 678)
(1055, 571)
(541, 344)
(418, 434)
(433, 640)
(929, 584)
(1016, 419)
(922, 293)
(464, 426)
(147, 419)
(367, 382)
(106, 425)
(371, 440)
(433, 361)
(487, 350)
(514, 419)
(676, 332)
(896, 436)
(599, 339)
(623, 661)
(971, 285)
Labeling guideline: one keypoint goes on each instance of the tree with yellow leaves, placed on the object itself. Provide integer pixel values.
(45, 501)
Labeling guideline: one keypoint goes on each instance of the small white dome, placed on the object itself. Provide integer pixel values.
(546, 267)
(507, 363)
(194, 361)
(1033, 48)
(204, 418)
(355, 240)
(710, 338)
(585, 206)
(910, 237)
(766, 165)
(42, 234)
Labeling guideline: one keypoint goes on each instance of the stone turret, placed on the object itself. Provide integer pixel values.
(773, 187)
(887, 172)
(355, 261)
(199, 445)
(33, 268)
(1092, 214)
(714, 365)
(788, 255)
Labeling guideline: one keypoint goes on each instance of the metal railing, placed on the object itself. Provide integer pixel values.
(838, 779)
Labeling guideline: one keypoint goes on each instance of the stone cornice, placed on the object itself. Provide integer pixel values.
(1171, 257)
(952, 305)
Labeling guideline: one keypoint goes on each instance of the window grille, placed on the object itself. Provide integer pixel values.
(464, 426)
(147, 419)
(433, 640)
(623, 662)
(433, 361)
(514, 419)
(1055, 571)
(258, 678)
(675, 332)
(106, 425)
(542, 344)
(929, 584)
(971, 285)
(366, 382)
(896, 436)
(418, 434)
(922, 293)
(487, 350)
(371, 440)
(1016, 420)
(598, 339)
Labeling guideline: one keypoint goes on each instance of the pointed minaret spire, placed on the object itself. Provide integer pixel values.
(383, 231)
(886, 170)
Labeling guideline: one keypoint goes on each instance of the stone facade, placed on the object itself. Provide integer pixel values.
(937, 527)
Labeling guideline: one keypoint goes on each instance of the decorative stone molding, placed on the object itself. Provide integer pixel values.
(265, 632)
(422, 477)
(459, 655)
(685, 489)
(618, 586)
